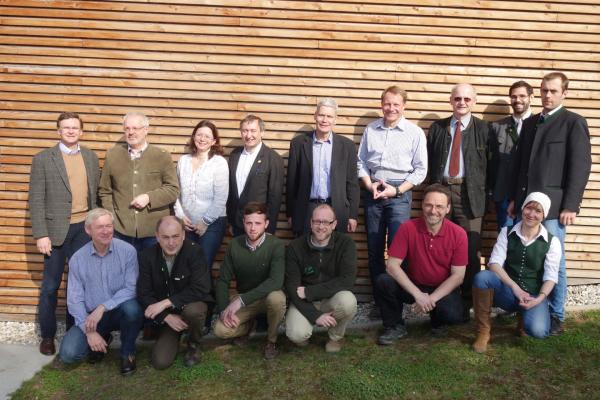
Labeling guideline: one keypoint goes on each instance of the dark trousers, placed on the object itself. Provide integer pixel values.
(391, 299)
(54, 266)
(461, 215)
(167, 344)
(139, 243)
(126, 318)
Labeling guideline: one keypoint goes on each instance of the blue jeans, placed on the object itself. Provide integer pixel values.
(502, 219)
(558, 296)
(536, 320)
(212, 239)
(383, 217)
(139, 243)
(127, 318)
(54, 266)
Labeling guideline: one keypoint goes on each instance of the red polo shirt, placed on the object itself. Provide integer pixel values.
(430, 256)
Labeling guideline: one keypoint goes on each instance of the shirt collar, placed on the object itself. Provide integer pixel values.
(524, 116)
(400, 125)
(65, 150)
(517, 231)
(260, 242)
(94, 252)
(552, 111)
(136, 153)
(328, 140)
(465, 121)
(255, 151)
(422, 226)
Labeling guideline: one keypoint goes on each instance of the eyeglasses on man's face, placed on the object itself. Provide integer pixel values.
(321, 222)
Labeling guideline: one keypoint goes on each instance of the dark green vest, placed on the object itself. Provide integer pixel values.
(525, 265)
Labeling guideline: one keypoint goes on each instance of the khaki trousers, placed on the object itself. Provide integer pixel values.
(273, 305)
(166, 346)
(342, 306)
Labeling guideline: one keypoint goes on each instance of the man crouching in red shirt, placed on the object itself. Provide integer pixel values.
(435, 250)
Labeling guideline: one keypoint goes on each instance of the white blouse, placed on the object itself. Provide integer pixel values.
(204, 191)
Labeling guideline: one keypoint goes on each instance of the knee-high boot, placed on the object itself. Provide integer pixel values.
(482, 305)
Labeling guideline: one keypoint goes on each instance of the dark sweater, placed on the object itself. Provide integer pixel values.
(323, 271)
(257, 273)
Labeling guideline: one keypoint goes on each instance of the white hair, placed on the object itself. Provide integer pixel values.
(95, 214)
(138, 114)
(328, 102)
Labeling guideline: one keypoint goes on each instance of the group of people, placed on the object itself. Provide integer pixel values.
(141, 235)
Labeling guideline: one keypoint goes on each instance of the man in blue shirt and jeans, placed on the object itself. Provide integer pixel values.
(392, 159)
(101, 295)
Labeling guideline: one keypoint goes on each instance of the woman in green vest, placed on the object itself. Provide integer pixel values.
(522, 271)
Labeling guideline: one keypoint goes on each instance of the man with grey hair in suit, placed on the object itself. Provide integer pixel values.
(62, 188)
(322, 170)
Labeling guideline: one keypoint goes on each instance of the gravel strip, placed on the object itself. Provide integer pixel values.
(579, 297)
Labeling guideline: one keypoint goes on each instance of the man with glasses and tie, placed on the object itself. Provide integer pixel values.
(458, 153)
(138, 184)
(320, 270)
(553, 157)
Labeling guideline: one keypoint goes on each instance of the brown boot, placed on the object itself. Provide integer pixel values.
(520, 332)
(482, 305)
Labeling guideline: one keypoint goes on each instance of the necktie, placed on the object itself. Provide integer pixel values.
(455, 151)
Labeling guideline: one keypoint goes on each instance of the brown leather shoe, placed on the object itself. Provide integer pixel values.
(47, 347)
(333, 346)
(271, 351)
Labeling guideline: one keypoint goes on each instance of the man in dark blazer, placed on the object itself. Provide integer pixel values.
(505, 135)
(458, 148)
(255, 175)
(62, 189)
(173, 288)
(322, 169)
(553, 157)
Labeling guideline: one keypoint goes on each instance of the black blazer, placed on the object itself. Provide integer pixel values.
(553, 157)
(344, 189)
(475, 148)
(189, 282)
(264, 185)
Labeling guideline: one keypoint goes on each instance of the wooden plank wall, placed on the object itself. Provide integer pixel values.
(184, 60)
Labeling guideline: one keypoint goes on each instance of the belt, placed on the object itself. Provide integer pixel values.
(321, 201)
(452, 181)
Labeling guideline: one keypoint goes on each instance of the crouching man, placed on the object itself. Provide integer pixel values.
(256, 260)
(435, 250)
(174, 287)
(101, 295)
(320, 271)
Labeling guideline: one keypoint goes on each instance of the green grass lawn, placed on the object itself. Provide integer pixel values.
(417, 367)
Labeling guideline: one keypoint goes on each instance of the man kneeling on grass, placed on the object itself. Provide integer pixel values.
(523, 270)
(101, 295)
(435, 250)
(320, 272)
(174, 287)
(256, 260)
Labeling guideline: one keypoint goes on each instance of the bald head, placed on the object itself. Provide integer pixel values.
(170, 235)
(462, 98)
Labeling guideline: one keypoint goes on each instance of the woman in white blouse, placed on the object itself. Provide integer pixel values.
(204, 182)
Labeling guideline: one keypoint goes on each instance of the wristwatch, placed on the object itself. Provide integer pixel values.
(398, 192)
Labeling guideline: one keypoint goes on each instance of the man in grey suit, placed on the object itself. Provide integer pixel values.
(62, 189)
(255, 175)
(322, 169)
(504, 138)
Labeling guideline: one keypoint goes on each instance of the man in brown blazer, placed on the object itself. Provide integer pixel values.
(255, 174)
(138, 184)
(62, 189)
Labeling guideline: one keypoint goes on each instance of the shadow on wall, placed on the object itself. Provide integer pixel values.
(496, 110)
(426, 120)
(362, 122)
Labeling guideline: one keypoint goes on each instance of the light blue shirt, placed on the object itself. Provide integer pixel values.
(464, 124)
(321, 181)
(393, 154)
(94, 279)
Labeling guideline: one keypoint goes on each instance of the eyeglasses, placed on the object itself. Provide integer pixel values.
(134, 128)
(321, 222)
(465, 99)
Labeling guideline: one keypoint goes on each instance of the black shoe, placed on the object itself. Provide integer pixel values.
(439, 331)
(391, 335)
(96, 356)
(192, 355)
(556, 326)
(128, 365)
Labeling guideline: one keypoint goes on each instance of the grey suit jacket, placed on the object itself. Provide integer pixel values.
(344, 191)
(50, 192)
